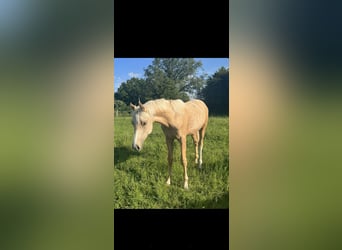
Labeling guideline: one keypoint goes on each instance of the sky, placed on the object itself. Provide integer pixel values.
(126, 68)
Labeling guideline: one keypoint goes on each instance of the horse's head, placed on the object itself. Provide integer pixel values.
(142, 123)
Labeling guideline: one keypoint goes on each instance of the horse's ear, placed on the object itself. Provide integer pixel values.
(141, 106)
(133, 107)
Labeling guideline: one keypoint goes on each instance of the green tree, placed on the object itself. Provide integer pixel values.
(170, 78)
(132, 90)
(216, 92)
(120, 106)
(174, 78)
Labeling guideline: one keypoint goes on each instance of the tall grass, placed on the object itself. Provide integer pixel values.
(140, 178)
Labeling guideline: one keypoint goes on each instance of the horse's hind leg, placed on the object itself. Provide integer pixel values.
(169, 143)
(201, 138)
(184, 161)
(195, 137)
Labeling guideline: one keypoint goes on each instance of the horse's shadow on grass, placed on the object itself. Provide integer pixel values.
(122, 154)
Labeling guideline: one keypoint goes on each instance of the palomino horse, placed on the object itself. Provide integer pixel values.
(177, 119)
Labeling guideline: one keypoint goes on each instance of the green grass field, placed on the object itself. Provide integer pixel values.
(140, 177)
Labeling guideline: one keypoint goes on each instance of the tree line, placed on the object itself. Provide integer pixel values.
(176, 78)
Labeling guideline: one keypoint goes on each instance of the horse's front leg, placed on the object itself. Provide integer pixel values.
(184, 161)
(169, 143)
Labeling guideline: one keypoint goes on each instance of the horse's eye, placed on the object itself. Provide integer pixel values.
(143, 123)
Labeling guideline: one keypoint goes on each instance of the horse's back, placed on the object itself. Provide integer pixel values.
(198, 113)
(198, 106)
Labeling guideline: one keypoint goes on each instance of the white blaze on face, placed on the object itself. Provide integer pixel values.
(135, 121)
(142, 124)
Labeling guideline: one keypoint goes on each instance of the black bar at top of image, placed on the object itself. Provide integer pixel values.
(171, 29)
(171, 229)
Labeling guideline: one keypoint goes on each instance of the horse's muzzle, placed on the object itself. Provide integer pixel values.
(136, 147)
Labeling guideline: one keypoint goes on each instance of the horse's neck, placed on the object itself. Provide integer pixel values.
(161, 113)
